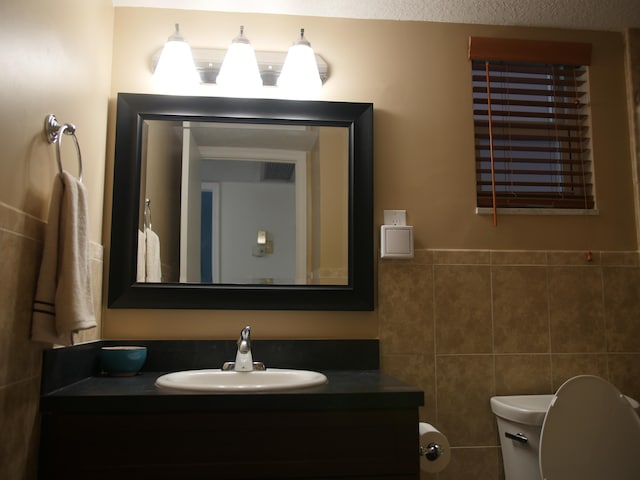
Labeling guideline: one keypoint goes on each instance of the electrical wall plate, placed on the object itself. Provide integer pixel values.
(396, 241)
(395, 217)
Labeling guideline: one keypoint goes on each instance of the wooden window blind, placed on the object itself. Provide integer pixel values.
(531, 124)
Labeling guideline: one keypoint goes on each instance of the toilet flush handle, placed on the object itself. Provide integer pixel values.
(518, 437)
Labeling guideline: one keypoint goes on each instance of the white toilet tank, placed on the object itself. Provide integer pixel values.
(520, 417)
(520, 420)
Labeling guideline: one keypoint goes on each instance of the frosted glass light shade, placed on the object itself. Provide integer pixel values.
(175, 67)
(239, 68)
(300, 70)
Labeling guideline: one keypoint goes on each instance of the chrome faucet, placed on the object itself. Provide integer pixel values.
(244, 359)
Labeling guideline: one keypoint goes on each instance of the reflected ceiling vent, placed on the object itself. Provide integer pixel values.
(278, 172)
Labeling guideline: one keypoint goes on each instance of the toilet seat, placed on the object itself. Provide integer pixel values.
(590, 432)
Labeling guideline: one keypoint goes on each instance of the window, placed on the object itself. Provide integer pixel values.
(531, 124)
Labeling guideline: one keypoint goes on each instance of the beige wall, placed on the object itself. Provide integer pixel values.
(417, 76)
(441, 318)
(163, 170)
(467, 325)
(333, 200)
(55, 58)
(481, 310)
(632, 62)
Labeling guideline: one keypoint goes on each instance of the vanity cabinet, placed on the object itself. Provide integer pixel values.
(341, 444)
(361, 424)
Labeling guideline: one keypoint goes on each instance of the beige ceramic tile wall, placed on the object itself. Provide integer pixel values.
(466, 325)
(56, 58)
(20, 359)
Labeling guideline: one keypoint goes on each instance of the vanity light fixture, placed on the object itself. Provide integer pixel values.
(240, 68)
(209, 63)
(300, 71)
(175, 66)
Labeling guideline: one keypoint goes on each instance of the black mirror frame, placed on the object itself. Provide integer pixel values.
(133, 109)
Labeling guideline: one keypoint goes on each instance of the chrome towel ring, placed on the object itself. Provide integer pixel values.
(54, 132)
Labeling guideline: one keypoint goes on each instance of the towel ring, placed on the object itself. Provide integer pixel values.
(147, 213)
(54, 132)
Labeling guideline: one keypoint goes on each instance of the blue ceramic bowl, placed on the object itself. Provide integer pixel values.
(122, 361)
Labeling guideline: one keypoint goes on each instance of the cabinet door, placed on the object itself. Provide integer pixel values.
(248, 445)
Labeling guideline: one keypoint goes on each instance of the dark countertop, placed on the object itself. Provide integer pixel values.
(355, 389)
(72, 382)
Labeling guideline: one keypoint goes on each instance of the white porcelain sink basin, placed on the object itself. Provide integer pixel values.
(216, 380)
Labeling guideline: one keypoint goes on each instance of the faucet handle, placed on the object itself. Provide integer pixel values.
(245, 333)
(244, 342)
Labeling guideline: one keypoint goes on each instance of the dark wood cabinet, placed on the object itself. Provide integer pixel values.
(319, 444)
(362, 424)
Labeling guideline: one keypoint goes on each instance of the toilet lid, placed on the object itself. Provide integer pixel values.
(590, 432)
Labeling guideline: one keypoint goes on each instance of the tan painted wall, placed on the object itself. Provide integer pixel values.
(334, 201)
(163, 174)
(417, 76)
(55, 58)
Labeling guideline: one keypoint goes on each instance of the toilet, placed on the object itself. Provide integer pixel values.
(588, 430)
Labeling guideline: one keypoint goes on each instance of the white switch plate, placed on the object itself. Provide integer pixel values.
(396, 241)
(395, 217)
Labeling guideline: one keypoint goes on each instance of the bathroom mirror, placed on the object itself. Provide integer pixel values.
(252, 204)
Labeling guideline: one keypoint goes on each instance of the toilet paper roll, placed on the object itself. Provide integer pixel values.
(435, 452)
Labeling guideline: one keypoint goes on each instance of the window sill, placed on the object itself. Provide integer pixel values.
(536, 211)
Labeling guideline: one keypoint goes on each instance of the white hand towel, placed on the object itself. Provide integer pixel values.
(63, 302)
(141, 270)
(153, 267)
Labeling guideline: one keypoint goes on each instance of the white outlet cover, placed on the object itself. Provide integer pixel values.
(395, 217)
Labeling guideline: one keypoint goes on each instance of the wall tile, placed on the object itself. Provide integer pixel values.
(520, 309)
(515, 257)
(464, 385)
(505, 323)
(622, 308)
(13, 220)
(622, 259)
(417, 370)
(463, 309)
(405, 308)
(484, 463)
(574, 258)
(19, 357)
(523, 374)
(566, 366)
(421, 257)
(576, 310)
(624, 372)
(461, 257)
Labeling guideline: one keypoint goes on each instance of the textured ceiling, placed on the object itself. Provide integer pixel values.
(583, 14)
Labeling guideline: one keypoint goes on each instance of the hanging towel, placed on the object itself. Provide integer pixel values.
(153, 268)
(63, 302)
(141, 269)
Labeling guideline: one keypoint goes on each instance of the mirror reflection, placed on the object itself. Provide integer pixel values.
(243, 203)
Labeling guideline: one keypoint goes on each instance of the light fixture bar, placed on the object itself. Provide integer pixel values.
(209, 60)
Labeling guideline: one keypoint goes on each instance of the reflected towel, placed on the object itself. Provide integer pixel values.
(153, 268)
(141, 275)
(63, 302)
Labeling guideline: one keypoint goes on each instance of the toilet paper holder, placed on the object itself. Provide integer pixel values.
(431, 452)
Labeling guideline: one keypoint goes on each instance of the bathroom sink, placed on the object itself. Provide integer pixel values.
(216, 380)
